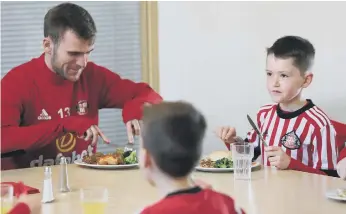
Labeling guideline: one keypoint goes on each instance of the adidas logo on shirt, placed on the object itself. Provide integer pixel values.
(44, 115)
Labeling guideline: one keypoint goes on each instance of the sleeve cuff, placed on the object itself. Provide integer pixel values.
(20, 208)
(133, 110)
(296, 165)
(342, 154)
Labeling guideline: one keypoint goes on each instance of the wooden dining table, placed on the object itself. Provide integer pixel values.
(269, 191)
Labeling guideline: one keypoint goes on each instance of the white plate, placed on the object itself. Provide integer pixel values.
(332, 194)
(203, 169)
(96, 166)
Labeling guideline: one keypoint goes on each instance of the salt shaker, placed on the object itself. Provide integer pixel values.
(64, 186)
(47, 195)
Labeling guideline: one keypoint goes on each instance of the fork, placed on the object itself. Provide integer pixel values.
(129, 147)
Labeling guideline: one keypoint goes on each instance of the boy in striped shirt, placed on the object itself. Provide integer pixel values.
(299, 135)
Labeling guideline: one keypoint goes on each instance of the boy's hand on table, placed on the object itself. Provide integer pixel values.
(341, 168)
(277, 157)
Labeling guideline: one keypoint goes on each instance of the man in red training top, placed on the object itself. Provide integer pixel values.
(300, 136)
(49, 105)
(171, 146)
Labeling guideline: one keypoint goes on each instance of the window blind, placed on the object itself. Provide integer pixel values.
(117, 46)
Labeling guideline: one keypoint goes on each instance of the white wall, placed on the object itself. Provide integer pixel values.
(213, 55)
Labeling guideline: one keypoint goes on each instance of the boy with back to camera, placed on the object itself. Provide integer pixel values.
(299, 135)
(171, 147)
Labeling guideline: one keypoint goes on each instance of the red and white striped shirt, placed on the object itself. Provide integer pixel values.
(306, 135)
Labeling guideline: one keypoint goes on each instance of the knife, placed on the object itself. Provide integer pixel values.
(256, 130)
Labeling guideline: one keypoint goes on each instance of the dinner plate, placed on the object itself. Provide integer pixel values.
(204, 169)
(96, 166)
(332, 194)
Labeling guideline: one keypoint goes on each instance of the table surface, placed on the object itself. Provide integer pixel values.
(270, 191)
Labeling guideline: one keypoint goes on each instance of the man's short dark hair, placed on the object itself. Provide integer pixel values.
(68, 16)
(299, 49)
(173, 133)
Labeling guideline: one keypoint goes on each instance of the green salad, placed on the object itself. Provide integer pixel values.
(223, 163)
(129, 157)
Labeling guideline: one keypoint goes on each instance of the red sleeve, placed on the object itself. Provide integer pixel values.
(20, 208)
(340, 129)
(342, 154)
(123, 93)
(15, 137)
(297, 165)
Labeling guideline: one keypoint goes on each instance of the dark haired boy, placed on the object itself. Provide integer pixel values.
(170, 149)
(300, 136)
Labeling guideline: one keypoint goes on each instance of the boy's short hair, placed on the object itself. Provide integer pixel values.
(173, 133)
(299, 49)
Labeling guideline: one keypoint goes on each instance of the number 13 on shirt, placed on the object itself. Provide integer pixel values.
(64, 112)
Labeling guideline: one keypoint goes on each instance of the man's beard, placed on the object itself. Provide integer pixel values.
(56, 69)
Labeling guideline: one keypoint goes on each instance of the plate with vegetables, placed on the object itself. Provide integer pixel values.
(218, 161)
(338, 194)
(120, 159)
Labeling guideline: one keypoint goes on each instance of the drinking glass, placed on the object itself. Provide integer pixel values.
(94, 200)
(6, 198)
(242, 155)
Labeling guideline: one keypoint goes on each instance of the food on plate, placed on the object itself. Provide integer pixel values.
(114, 159)
(131, 158)
(341, 193)
(119, 157)
(217, 159)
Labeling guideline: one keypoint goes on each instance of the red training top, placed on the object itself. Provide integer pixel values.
(42, 113)
(194, 201)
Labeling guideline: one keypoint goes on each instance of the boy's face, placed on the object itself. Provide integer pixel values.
(284, 80)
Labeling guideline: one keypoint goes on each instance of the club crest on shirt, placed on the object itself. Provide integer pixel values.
(82, 107)
(291, 140)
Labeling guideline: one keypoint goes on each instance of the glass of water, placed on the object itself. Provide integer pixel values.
(242, 155)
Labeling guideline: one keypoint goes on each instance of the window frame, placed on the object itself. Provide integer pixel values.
(149, 44)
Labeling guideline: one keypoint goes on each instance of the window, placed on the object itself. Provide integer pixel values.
(126, 43)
